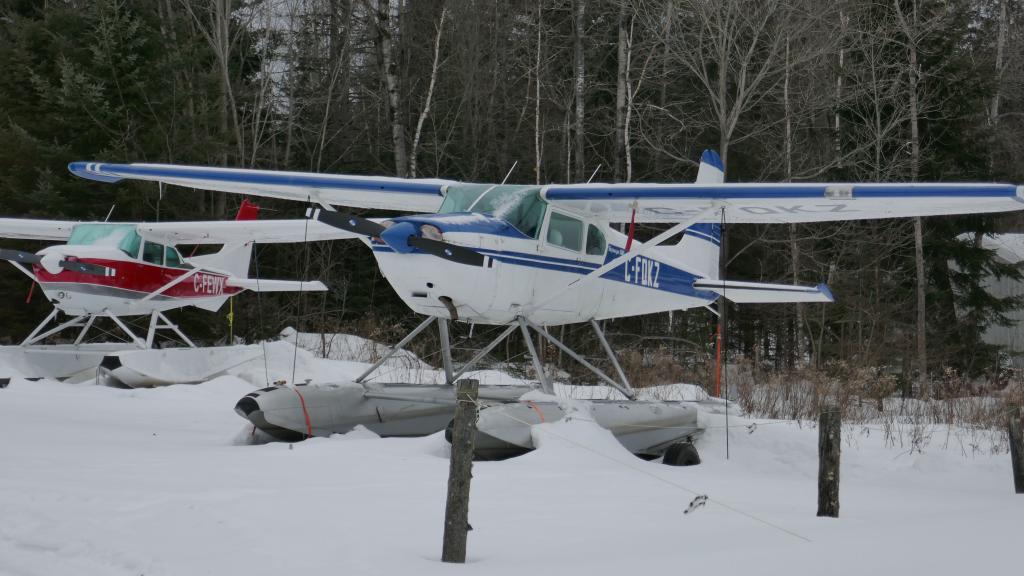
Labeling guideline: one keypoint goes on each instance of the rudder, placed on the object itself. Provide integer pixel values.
(701, 245)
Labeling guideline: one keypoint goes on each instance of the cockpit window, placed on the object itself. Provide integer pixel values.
(153, 253)
(595, 241)
(565, 232)
(122, 236)
(520, 206)
(460, 197)
(173, 259)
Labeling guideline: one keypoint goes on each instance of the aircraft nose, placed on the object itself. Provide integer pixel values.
(51, 262)
(397, 236)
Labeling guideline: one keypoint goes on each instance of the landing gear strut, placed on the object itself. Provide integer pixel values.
(524, 325)
(83, 322)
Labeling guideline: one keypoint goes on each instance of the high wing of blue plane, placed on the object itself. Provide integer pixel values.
(642, 202)
(549, 254)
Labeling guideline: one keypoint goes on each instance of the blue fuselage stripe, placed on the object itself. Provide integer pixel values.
(639, 271)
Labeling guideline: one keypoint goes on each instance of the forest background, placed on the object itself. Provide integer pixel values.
(553, 91)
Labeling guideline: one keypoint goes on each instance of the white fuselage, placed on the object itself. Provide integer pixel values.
(526, 272)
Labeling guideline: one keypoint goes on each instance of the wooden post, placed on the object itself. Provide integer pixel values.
(460, 472)
(829, 438)
(1014, 425)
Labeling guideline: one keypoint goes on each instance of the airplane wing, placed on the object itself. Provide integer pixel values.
(378, 192)
(742, 203)
(240, 231)
(26, 229)
(781, 203)
(277, 285)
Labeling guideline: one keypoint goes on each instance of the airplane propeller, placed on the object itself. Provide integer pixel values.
(403, 237)
(350, 223)
(74, 265)
(19, 256)
(86, 268)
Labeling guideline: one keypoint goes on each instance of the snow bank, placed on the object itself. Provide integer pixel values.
(109, 482)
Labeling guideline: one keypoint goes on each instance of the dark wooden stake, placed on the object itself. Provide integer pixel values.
(1016, 447)
(829, 438)
(460, 473)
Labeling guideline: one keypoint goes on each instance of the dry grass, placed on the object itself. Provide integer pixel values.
(868, 400)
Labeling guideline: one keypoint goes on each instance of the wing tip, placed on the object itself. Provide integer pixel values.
(823, 289)
(91, 171)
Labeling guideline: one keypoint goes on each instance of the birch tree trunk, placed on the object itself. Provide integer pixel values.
(387, 25)
(579, 85)
(430, 95)
(910, 29)
(536, 112)
(794, 248)
(620, 92)
(993, 112)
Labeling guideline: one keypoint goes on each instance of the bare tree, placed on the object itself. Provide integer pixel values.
(388, 13)
(430, 94)
(621, 86)
(579, 86)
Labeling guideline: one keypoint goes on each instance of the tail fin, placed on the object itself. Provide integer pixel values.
(701, 244)
(711, 170)
(247, 210)
(233, 258)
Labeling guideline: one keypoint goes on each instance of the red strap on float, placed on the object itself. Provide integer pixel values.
(305, 412)
(31, 289)
(536, 409)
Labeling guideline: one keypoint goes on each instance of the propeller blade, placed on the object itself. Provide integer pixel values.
(358, 225)
(455, 253)
(86, 268)
(350, 223)
(19, 256)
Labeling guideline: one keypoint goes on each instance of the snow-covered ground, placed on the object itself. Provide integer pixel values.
(103, 481)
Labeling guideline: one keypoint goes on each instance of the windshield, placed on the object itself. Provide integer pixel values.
(122, 236)
(520, 206)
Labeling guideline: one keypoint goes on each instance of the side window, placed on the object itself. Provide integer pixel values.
(130, 243)
(565, 231)
(595, 241)
(153, 253)
(528, 214)
(172, 258)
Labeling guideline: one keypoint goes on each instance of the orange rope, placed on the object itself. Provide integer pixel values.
(305, 413)
(536, 409)
(718, 361)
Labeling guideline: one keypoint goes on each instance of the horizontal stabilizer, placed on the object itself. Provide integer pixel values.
(277, 285)
(756, 292)
(238, 231)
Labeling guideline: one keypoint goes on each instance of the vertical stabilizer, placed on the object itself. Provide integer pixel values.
(701, 244)
(711, 170)
(232, 258)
